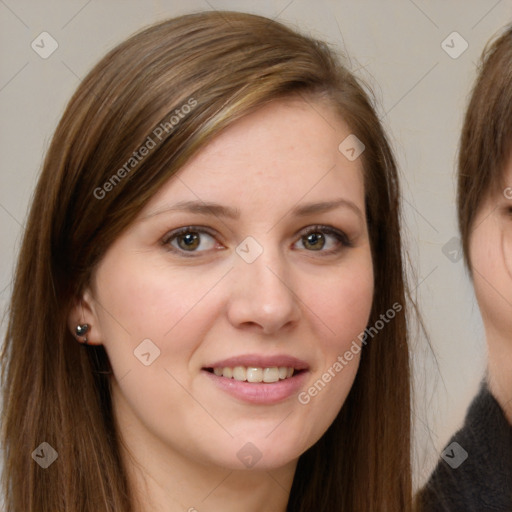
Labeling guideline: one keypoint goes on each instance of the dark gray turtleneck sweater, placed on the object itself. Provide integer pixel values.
(483, 481)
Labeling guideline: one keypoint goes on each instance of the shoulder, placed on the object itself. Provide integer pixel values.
(475, 470)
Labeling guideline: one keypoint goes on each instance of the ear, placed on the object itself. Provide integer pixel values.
(83, 311)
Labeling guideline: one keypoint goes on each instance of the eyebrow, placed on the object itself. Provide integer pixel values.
(205, 208)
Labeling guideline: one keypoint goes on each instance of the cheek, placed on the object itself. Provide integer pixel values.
(147, 299)
(141, 300)
(506, 251)
(153, 318)
(343, 309)
(344, 302)
(491, 258)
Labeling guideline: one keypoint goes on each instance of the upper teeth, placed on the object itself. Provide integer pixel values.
(253, 374)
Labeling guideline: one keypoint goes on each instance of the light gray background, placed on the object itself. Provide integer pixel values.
(396, 46)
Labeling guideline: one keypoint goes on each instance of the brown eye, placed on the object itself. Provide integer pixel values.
(314, 241)
(189, 240)
(324, 239)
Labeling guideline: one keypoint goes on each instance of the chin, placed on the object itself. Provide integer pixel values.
(257, 455)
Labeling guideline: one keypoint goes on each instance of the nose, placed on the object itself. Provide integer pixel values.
(263, 296)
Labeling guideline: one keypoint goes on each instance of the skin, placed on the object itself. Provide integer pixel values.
(491, 257)
(181, 433)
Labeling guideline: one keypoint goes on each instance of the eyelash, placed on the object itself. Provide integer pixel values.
(342, 239)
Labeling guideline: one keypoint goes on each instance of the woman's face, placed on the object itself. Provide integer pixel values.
(491, 261)
(253, 262)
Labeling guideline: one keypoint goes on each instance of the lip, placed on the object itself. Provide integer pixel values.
(259, 361)
(260, 392)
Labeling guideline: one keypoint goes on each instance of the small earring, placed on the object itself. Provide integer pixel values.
(81, 331)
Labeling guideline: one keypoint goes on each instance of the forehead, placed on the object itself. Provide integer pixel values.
(290, 128)
(288, 149)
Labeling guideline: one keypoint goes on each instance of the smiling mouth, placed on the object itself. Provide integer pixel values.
(255, 374)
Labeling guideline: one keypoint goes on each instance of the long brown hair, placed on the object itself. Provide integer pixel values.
(486, 139)
(229, 64)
